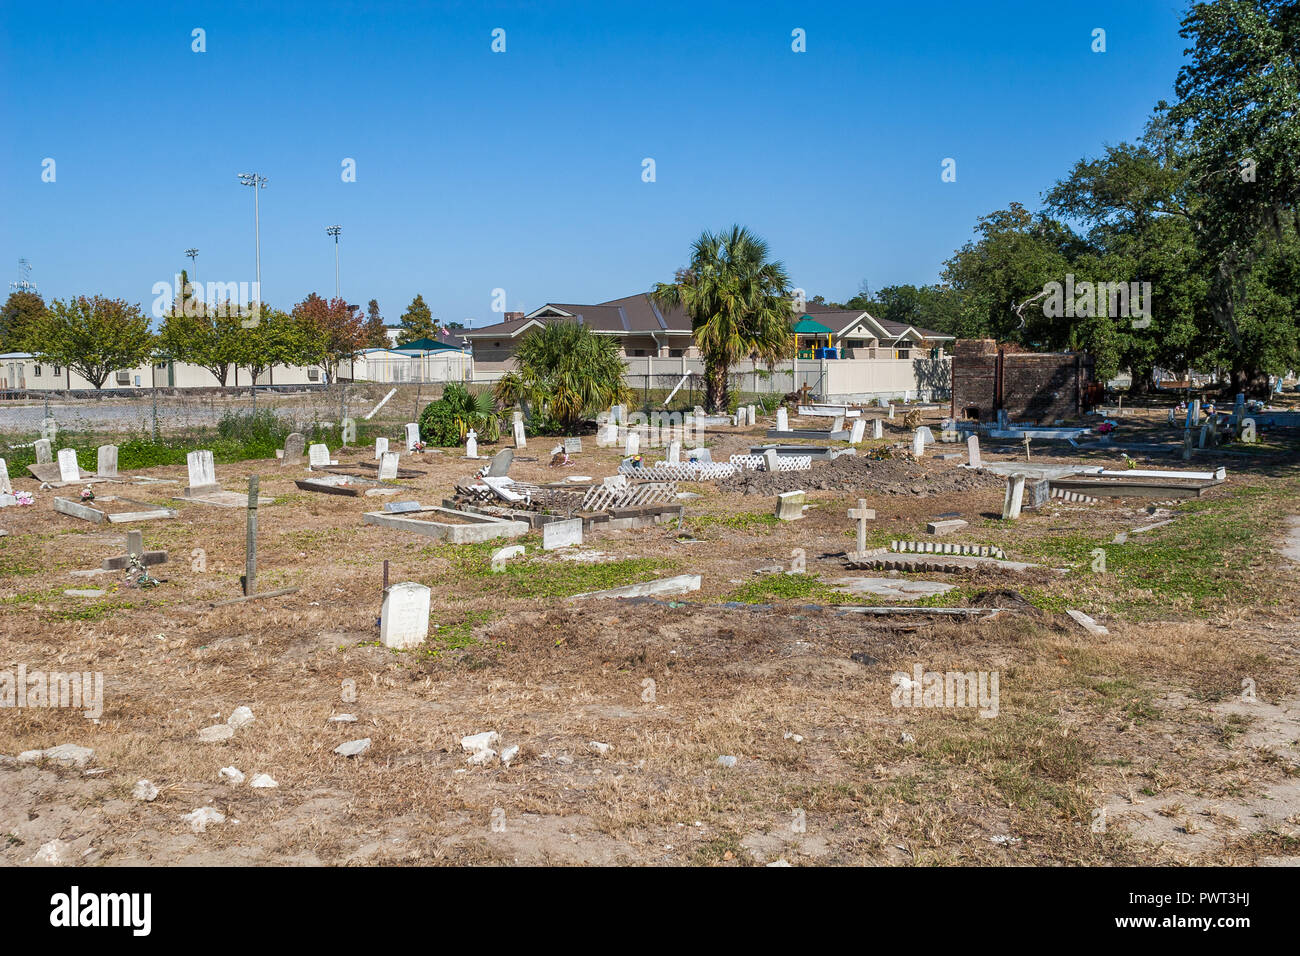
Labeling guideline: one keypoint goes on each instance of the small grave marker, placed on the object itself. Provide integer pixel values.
(381, 446)
(404, 619)
(294, 446)
(862, 514)
(572, 446)
(401, 507)
(877, 428)
(789, 505)
(106, 462)
(521, 440)
(44, 455)
(388, 466)
(782, 419)
(973, 452)
(633, 444)
(68, 469)
(318, 456)
(6, 487)
(859, 431)
(674, 452)
(135, 545)
(1015, 497)
(561, 534)
(412, 435)
(918, 444)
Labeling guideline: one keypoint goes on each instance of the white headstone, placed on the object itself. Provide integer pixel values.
(782, 419)
(404, 620)
(388, 466)
(633, 446)
(318, 456)
(751, 414)
(789, 505)
(859, 431)
(43, 454)
(674, 452)
(412, 435)
(106, 462)
(516, 416)
(471, 444)
(1015, 497)
(68, 470)
(740, 416)
(838, 424)
(6, 488)
(973, 452)
(877, 428)
(926, 434)
(891, 411)
(521, 440)
(381, 446)
(203, 473)
(561, 534)
(918, 444)
(770, 459)
(608, 434)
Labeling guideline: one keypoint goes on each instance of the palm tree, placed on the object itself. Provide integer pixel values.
(738, 304)
(566, 370)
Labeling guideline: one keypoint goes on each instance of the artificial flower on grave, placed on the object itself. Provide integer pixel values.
(87, 494)
(418, 446)
(1105, 427)
(24, 497)
(636, 461)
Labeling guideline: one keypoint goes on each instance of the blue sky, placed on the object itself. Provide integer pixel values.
(523, 170)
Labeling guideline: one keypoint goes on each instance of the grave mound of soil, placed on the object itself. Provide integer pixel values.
(890, 476)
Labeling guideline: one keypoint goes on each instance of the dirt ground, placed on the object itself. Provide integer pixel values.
(1174, 738)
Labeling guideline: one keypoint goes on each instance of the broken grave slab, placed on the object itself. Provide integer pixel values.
(679, 584)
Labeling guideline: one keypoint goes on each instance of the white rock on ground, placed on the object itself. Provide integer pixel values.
(797, 738)
(144, 790)
(353, 747)
(509, 754)
(599, 747)
(482, 757)
(200, 818)
(231, 775)
(69, 755)
(240, 717)
(216, 733)
(476, 742)
(54, 853)
(263, 781)
(727, 760)
(343, 719)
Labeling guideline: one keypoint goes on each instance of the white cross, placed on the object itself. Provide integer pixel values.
(862, 514)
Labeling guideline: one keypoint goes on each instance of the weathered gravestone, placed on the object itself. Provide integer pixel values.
(862, 514)
(404, 619)
(674, 452)
(294, 445)
(68, 469)
(521, 440)
(134, 546)
(471, 444)
(6, 487)
(859, 431)
(381, 446)
(572, 446)
(973, 452)
(202, 473)
(561, 534)
(318, 456)
(782, 419)
(44, 455)
(1015, 497)
(501, 462)
(388, 466)
(918, 444)
(770, 458)
(412, 435)
(106, 463)
(877, 428)
(789, 505)
(633, 445)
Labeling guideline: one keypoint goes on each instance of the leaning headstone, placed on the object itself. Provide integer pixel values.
(877, 428)
(838, 424)
(789, 505)
(388, 466)
(674, 452)
(770, 458)
(501, 462)
(1015, 497)
(106, 462)
(294, 445)
(68, 469)
(561, 534)
(381, 446)
(404, 619)
(918, 444)
(782, 419)
(203, 473)
(521, 440)
(926, 434)
(633, 444)
(973, 452)
(44, 455)
(412, 435)
(859, 431)
(318, 456)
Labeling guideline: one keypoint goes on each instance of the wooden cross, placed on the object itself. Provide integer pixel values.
(1027, 448)
(134, 545)
(862, 514)
(805, 394)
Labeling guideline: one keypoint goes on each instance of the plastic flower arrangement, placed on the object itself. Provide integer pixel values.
(24, 497)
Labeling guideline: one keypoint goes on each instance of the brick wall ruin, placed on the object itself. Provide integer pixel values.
(1037, 387)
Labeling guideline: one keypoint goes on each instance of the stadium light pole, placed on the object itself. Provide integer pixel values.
(334, 231)
(193, 254)
(257, 182)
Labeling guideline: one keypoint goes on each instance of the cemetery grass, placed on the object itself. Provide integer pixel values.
(1144, 722)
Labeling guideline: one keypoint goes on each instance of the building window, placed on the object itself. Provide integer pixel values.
(58, 370)
(636, 353)
(313, 375)
(676, 353)
(36, 371)
(123, 378)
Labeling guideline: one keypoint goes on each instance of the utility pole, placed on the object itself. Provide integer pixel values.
(257, 182)
(334, 231)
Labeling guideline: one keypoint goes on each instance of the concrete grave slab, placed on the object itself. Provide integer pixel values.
(112, 509)
(679, 584)
(900, 589)
(449, 524)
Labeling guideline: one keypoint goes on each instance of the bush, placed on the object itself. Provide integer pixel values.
(447, 421)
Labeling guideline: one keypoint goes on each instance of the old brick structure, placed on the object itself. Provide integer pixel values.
(1032, 386)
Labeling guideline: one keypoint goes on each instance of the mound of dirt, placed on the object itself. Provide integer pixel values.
(890, 476)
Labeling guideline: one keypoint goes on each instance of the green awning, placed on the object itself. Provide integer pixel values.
(810, 326)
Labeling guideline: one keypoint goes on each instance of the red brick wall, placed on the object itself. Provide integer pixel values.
(1031, 386)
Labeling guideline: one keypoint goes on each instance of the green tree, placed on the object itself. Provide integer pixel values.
(211, 337)
(447, 421)
(20, 310)
(335, 326)
(566, 371)
(1236, 114)
(93, 336)
(416, 322)
(738, 302)
(376, 336)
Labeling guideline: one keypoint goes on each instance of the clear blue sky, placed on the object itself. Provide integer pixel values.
(522, 170)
